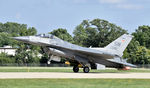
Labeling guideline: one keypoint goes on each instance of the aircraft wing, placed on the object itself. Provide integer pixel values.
(95, 53)
(82, 50)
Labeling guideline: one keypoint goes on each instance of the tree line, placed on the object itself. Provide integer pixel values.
(94, 33)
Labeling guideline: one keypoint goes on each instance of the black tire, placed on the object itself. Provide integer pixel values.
(86, 69)
(75, 69)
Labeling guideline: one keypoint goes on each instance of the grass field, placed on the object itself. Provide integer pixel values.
(74, 83)
(62, 69)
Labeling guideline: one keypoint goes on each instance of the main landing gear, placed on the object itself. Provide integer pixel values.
(85, 69)
(76, 69)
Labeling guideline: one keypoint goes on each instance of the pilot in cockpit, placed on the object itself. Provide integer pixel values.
(47, 36)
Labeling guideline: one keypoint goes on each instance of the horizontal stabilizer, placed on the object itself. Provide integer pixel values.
(121, 61)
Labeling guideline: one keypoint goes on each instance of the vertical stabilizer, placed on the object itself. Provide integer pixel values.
(120, 44)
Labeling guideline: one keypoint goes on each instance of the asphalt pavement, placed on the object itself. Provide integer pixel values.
(18, 75)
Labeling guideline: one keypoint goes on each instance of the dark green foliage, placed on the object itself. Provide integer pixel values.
(11, 29)
(142, 35)
(5, 59)
(16, 29)
(138, 50)
(131, 50)
(25, 53)
(62, 34)
(44, 58)
(5, 39)
(96, 33)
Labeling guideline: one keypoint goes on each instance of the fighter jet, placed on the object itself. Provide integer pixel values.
(110, 56)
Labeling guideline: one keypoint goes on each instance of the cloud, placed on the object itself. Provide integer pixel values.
(129, 6)
(111, 1)
(79, 1)
(122, 4)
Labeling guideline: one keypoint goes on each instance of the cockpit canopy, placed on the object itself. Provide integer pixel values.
(47, 36)
(44, 35)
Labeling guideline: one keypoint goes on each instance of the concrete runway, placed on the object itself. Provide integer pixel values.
(18, 75)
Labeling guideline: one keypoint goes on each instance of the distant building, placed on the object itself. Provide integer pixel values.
(8, 49)
(12, 51)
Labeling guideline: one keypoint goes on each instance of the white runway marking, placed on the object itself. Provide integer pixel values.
(10, 75)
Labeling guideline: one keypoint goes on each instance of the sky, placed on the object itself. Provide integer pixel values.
(47, 15)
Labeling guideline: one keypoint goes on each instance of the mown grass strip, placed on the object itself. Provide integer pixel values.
(64, 69)
(74, 83)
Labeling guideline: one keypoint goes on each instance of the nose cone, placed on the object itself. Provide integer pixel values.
(22, 38)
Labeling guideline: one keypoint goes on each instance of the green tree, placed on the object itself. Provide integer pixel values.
(130, 52)
(27, 54)
(138, 50)
(142, 55)
(96, 33)
(62, 34)
(16, 29)
(137, 54)
(5, 59)
(11, 29)
(142, 35)
(80, 35)
(5, 39)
